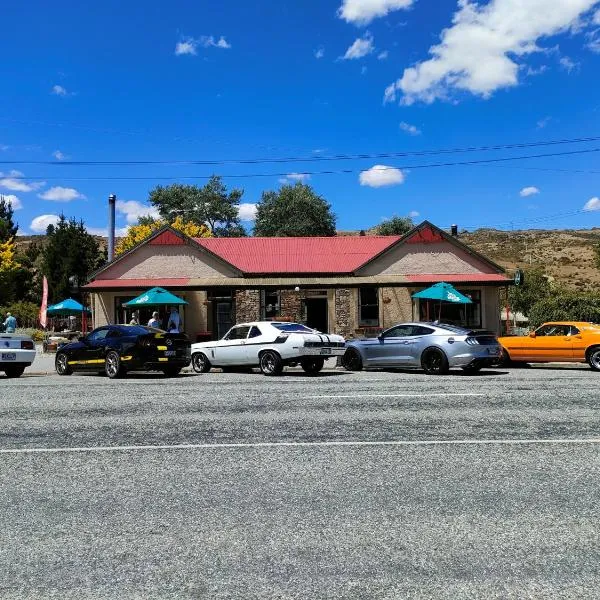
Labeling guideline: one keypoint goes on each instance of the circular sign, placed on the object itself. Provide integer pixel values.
(519, 278)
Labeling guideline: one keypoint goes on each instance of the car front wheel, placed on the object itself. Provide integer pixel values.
(200, 363)
(593, 358)
(352, 361)
(312, 365)
(270, 363)
(61, 364)
(434, 362)
(112, 365)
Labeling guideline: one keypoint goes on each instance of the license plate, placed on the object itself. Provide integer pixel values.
(170, 353)
(325, 350)
(9, 356)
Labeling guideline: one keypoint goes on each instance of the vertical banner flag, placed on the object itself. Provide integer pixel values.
(44, 306)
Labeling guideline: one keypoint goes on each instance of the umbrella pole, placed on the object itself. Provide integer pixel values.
(440, 312)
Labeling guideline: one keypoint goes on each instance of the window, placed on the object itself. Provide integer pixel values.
(292, 327)
(98, 335)
(399, 331)
(552, 330)
(237, 333)
(368, 306)
(254, 332)
(270, 304)
(466, 315)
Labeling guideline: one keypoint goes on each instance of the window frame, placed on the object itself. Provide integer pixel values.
(363, 321)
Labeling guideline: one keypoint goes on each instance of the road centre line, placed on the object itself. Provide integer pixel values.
(420, 395)
(490, 442)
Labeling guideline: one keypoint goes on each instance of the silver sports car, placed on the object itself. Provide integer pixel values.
(434, 347)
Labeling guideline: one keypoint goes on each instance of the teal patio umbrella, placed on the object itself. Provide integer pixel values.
(155, 297)
(443, 292)
(67, 308)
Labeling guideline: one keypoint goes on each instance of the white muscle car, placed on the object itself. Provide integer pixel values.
(17, 351)
(270, 345)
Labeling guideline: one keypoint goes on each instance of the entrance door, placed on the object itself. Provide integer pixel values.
(223, 320)
(316, 313)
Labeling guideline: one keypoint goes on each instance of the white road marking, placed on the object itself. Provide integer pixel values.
(490, 442)
(420, 395)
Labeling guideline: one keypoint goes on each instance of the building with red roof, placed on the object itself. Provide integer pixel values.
(350, 285)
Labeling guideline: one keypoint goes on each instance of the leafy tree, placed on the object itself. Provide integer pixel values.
(293, 211)
(210, 205)
(70, 251)
(395, 226)
(145, 227)
(8, 228)
(9, 267)
(566, 306)
(535, 287)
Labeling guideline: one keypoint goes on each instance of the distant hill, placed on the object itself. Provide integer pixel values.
(565, 254)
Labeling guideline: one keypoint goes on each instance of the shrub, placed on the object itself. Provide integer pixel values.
(26, 313)
(567, 306)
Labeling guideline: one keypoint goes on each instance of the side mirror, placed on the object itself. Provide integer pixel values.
(532, 334)
(381, 337)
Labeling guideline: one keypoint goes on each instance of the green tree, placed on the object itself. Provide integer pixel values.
(535, 287)
(210, 205)
(395, 226)
(8, 228)
(293, 211)
(566, 306)
(70, 251)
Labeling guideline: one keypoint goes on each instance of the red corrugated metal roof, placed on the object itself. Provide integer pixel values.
(456, 277)
(298, 255)
(137, 283)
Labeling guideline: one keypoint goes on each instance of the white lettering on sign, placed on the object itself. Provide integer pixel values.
(142, 299)
(453, 297)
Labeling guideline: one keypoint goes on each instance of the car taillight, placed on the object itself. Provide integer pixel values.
(27, 345)
(471, 341)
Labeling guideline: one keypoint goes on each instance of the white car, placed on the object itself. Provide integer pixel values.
(17, 351)
(270, 345)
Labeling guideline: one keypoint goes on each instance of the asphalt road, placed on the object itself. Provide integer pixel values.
(254, 487)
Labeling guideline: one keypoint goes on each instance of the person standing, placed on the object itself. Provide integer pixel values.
(154, 321)
(10, 324)
(135, 318)
(174, 323)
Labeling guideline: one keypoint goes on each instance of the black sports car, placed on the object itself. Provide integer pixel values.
(115, 349)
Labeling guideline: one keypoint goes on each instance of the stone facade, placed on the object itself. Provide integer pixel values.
(395, 306)
(344, 312)
(291, 305)
(247, 305)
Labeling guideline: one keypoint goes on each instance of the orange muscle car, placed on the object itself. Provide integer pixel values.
(562, 341)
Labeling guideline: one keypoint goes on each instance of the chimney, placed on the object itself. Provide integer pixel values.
(112, 199)
(454, 230)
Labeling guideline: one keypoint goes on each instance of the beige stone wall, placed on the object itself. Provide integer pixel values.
(247, 306)
(156, 261)
(436, 258)
(291, 305)
(344, 312)
(490, 306)
(395, 306)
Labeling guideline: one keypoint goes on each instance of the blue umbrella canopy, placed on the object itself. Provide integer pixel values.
(66, 308)
(443, 292)
(153, 297)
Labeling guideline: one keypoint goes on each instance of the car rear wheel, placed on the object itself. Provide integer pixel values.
(352, 361)
(593, 358)
(200, 363)
(171, 371)
(312, 365)
(434, 362)
(270, 363)
(61, 364)
(113, 366)
(13, 372)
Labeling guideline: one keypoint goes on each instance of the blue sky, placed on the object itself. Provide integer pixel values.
(202, 81)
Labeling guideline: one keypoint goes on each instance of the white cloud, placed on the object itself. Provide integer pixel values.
(543, 122)
(319, 53)
(40, 224)
(4, 147)
(362, 12)
(596, 18)
(594, 43)
(567, 64)
(13, 201)
(247, 211)
(477, 52)
(383, 55)
(295, 177)
(187, 46)
(592, 204)
(363, 70)
(58, 155)
(532, 71)
(103, 231)
(208, 41)
(13, 181)
(529, 191)
(360, 48)
(414, 213)
(133, 210)
(61, 194)
(380, 176)
(59, 90)
(410, 129)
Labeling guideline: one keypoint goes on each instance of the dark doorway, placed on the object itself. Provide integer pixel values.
(316, 313)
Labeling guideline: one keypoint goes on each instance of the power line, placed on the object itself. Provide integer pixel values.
(335, 157)
(310, 173)
(530, 220)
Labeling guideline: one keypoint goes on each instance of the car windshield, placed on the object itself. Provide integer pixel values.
(292, 327)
